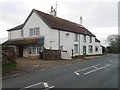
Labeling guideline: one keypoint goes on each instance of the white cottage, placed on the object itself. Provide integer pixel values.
(51, 32)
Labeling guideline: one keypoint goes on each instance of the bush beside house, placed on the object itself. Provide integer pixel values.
(8, 59)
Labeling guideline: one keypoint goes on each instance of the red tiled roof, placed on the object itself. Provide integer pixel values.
(58, 23)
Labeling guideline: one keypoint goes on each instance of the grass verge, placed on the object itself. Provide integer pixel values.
(6, 68)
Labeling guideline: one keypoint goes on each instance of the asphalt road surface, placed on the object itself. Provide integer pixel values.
(96, 73)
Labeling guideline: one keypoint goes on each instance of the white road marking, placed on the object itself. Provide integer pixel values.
(45, 84)
(114, 61)
(49, 88)
(76, 73)
(32, 85)
(13, 75)
(86, 68)
(97, 69)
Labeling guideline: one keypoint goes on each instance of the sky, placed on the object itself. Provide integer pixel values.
(99, 16)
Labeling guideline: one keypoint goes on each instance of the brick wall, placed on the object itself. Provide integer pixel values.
(51, 54)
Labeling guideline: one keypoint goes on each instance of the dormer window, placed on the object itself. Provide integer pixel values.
(34, 31)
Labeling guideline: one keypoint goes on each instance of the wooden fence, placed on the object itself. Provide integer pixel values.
(51, 54)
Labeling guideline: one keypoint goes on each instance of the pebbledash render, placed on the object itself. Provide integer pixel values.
(51, 32)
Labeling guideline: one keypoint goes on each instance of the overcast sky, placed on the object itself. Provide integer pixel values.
(99, 16)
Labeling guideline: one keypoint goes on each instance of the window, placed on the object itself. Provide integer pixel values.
(34, 50)
(84, 38)
(90, 39)
(90, 48)
(75, 48)
(21, 32)
(34, 31)
(38, 50)
(96, 48)
(75, 37)
(31, 32)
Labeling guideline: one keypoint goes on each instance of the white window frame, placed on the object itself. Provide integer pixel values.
(75, 48)
(34, 50)
(84, 38)
(34, 31)
(96, 47)
(75, 37)
(90, 48)
(90, 39)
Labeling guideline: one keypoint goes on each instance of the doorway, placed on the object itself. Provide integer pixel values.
(20, 48)
(84, 50)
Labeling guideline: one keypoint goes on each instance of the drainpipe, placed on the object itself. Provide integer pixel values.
(79, 44)
(59, 39)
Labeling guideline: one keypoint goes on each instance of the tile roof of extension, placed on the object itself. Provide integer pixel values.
(96, 40)
(57, 23)
(17, 27)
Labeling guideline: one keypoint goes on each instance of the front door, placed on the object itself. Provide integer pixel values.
(84, 50)
(20, 48)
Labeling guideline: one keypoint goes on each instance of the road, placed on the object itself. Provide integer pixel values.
(96, 73)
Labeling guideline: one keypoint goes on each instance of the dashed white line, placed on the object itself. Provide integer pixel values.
(114, 61)
(76, 73)
(31, 86)
(51, 87)
(96, 69)
(86, 68)
(13, 75)
(45, 84)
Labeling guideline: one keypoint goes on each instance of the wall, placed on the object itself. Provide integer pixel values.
(15, 34)
(45, 31)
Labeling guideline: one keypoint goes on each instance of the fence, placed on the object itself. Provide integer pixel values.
(51, 54)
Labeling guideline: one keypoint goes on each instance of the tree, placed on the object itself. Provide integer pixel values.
(114, 43)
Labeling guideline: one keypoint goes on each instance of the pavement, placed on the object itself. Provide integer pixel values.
(99, 72)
